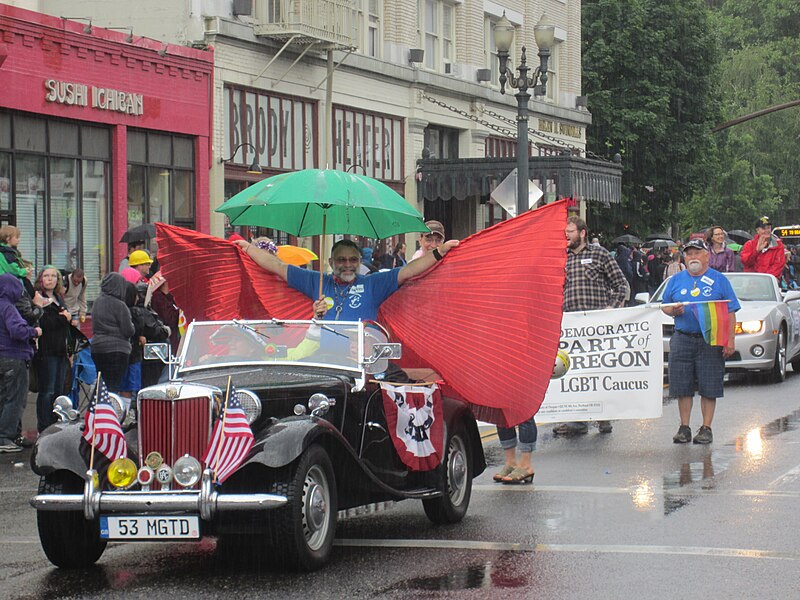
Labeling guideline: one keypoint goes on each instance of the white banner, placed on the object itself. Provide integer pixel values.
(616, 366)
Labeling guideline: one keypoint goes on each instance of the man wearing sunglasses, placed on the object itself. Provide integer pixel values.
(346, 294)
(430, 241)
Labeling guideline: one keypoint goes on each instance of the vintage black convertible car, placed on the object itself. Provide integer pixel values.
(322, 443)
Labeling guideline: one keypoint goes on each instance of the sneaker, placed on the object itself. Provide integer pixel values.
(704, 435)
(604, 426)
(684, 435)
(9, 447)
(23, 442)
(576, 428)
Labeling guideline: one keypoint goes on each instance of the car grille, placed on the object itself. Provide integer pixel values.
(174, 427)
(668, 329)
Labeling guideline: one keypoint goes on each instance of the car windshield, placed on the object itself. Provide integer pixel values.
(758, 288)
(749, 287)
(332, 344)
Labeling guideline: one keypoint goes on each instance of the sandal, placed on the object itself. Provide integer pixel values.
(518, 475)
(503, 473)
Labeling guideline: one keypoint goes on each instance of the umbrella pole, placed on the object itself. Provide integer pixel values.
(322, 253)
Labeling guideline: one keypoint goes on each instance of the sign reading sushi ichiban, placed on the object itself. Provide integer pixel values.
(101, 98)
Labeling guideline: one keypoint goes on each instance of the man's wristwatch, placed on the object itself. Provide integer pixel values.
(436, 254)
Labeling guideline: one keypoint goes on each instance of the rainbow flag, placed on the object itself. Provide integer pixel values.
(714, 320)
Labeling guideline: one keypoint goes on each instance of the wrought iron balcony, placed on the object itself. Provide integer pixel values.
(306, 21)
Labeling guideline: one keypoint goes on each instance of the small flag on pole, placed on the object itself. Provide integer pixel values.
(714, 320)
(102, 429)
(231, 439)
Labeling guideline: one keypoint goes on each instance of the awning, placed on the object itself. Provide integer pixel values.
(573, 177)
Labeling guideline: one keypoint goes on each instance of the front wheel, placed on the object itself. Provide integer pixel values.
(456, 470)
(304, 529)
(68, 540)
(778, 372)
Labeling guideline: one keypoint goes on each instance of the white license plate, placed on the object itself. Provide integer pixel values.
(150, 528)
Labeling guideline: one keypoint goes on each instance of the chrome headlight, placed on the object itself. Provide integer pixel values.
(121, 405)
(187, 471)
(749, 326)
(251, 405)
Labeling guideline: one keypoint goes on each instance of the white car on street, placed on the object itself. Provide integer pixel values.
(767, 326)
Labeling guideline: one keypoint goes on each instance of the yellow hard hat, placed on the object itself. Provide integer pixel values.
(139, 257)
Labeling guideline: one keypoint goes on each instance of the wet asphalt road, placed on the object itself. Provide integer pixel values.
(627, 514)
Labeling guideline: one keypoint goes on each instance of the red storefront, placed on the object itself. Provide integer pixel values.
(99, 131)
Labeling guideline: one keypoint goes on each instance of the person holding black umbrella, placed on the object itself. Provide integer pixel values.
(136, 246)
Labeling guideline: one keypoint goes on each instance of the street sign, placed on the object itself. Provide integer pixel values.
(505, 194)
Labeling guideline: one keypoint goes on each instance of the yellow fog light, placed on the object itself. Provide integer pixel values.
(187, 471)
(122, 473)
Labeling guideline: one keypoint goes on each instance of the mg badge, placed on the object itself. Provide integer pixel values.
(154, 460)
(164, 475)
(172, 393)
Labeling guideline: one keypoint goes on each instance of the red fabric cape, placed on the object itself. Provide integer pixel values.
(487, 318)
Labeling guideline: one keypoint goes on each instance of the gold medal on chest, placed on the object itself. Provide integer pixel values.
(695, 292)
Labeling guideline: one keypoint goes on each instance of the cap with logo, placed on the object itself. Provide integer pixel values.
(698, 244)
(436, 228)
(763, 222)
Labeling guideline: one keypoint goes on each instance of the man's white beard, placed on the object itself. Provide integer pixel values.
(694, 266)
(347, 276)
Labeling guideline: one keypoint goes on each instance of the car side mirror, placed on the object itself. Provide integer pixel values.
(156, 352)
(382, 353)
(642, 298)
(388, 351)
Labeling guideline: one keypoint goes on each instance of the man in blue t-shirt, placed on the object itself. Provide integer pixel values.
(692, 361)
(346, 295)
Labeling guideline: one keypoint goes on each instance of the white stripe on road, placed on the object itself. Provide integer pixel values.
(580, 489)
(575, 548)
(790, 476)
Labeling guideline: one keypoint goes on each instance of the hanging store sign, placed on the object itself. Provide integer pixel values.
(80, 94)
(368, 143)
(281, 129)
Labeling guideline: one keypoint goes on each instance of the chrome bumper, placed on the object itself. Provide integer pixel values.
(206, 502)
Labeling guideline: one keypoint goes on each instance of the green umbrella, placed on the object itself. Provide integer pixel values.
(319, 202)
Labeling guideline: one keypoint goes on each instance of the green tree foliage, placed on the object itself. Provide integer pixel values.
(758, 162)
(649, 72)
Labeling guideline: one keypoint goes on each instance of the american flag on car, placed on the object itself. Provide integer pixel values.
(231, 440)
(102, 429)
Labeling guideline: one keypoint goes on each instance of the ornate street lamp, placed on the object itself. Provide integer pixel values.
(544, 34)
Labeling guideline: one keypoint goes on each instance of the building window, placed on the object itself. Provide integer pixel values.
(441, 142)
(551, 93)
(160, 179)
(437, 31)
(367, 27)
(497, 147)
(54, 186)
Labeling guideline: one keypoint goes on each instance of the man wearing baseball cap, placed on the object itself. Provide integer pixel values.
(430, 241)
(693, 362)
(765, 252)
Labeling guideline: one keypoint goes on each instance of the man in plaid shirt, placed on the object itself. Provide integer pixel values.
(593, 281)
